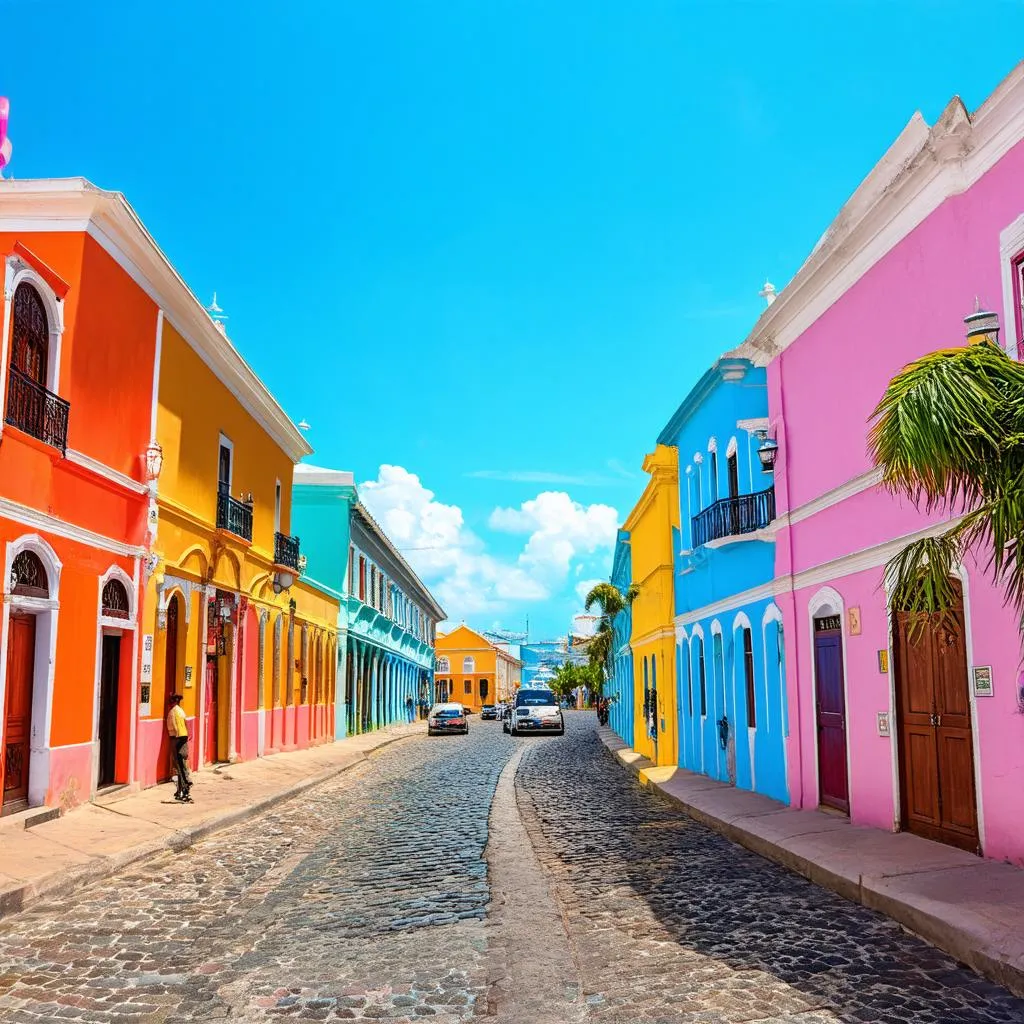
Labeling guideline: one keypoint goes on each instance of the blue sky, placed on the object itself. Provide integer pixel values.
(488, 245)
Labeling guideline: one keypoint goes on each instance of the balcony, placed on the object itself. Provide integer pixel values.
(286, 551)
(732, 517)
(234, 516)
(30, 407)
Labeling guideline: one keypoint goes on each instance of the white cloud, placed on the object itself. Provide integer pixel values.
(584, 587)
(448, 556)
(560, 530)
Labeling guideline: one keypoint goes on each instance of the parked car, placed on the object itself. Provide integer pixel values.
(536, 711)
(488, 711)
(447, 718)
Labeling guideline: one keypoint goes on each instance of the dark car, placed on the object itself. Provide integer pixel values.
(488, 711)
(446, 718)
(536, 711)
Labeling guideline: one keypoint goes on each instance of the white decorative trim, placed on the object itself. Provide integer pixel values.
(752, 426)
(106, 472)
(741, 621)
(1011, 244)
(852, 487)
(712, 444)
(32, 517)
(115, 572)
(766, 535)
(924, 166)
(158, 349)
(732, 448)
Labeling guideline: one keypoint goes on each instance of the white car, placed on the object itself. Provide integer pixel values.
(536, 711)
(446, 718)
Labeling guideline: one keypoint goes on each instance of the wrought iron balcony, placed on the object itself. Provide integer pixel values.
(286, 551)
(731, 517)
(234, 516)
(41, 413)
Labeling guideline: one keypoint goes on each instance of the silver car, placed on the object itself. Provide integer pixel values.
(536, 711)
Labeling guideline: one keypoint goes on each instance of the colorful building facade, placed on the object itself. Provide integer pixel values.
(619, 686)
(470, 670)
(925, 737)
(77, 339)
(388, 618)
(729, 651)
(653, 528)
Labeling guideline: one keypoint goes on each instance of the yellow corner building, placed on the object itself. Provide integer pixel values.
(470, 670)
(652, 525)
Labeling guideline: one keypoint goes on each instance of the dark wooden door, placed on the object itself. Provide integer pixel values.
(110, 671)
(164, 768)
(936, 751)
(224, 469)
(830, 709)
(21, 652)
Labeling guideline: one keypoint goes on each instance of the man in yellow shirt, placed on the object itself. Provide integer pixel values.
(177, 729)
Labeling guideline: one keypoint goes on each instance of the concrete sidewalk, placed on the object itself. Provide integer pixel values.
(99, 839)
(971, 908)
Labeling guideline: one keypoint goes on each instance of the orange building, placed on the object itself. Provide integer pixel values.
(471, 670)
(77, 348)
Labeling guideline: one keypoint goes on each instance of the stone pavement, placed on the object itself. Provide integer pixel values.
(98, 839)
(969, 907)
(525, 881)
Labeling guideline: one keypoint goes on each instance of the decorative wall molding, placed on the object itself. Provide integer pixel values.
(37, 520)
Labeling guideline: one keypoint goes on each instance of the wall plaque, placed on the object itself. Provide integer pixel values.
(983, 681)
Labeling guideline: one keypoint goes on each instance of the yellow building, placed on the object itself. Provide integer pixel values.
(472, 671)
(227, 622)
(650, 526)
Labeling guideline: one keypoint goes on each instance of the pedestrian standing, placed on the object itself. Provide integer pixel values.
(177, 729)
(410, 709)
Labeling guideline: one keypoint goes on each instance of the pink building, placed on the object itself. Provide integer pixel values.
(930, 738)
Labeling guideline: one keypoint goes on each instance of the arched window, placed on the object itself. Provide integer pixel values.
(31, 334)
(443, 665)
(276, 672)
(114, 600)
(702, 677)
(28, 576)
(468, 666)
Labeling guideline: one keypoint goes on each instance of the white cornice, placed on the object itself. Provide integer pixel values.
(315, 476)
(924, 167)
(108, 473)
(40, 521)
(73, 204)
(854, 486)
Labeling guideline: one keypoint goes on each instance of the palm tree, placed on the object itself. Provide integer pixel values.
(611, 601)
(949, 434)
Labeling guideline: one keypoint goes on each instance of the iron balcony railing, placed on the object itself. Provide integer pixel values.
(41, 413)
(286, 551)
(233, 515)
(731, 517)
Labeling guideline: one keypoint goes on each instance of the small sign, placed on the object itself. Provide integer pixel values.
(853, 621)
(147, 659)
(827, 623)
(983, 681)
(188, 675)
(883, 723)
(144, 694)
(883, 662)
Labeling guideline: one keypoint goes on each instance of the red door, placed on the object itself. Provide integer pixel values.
(830, 710)
(210, 725)
(21, 650)
(936, 750)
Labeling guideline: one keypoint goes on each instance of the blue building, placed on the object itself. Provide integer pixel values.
(388, 618)
(620, 684)
(729, 645)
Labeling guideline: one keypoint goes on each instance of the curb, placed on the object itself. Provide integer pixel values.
(16, 900)
(961, 944)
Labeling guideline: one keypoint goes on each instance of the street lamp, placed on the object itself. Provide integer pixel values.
(154, 460)
(767, 451)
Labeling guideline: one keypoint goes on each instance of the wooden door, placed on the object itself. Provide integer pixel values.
(210, 713)
(830, 711)
(936, 749)
(110, 670)
(17, 722)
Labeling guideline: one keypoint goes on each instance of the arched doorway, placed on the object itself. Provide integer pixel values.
(933, 718)
(830, 704)
(114, 606)
(171, 635)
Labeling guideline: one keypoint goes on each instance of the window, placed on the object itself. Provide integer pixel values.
(483, 689)
(713, 469)
(468, 686)
(351, 570)
(748, 671)
(443, 665)
(224, 466)
(362, 578)
(689, 682)
(28, 576)
(732, 466)
(31, 334)
(277, 506)
(468, 665)
(114, 600)
(703, 678)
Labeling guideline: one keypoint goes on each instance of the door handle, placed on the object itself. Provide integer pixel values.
(936, 720)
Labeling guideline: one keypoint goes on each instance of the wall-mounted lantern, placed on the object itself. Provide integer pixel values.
(766, 451)
(283, 581)
(982, 325)
(154, 460)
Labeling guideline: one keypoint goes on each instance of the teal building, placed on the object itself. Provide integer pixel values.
(388, 618)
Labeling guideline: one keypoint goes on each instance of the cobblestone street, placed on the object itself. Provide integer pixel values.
(370, 898)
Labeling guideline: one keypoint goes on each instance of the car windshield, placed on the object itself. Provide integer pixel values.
(448, 713)
(535, 698)
(488, 707)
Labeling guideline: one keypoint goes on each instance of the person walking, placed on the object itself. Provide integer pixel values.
(410, 709)
(177, 729)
